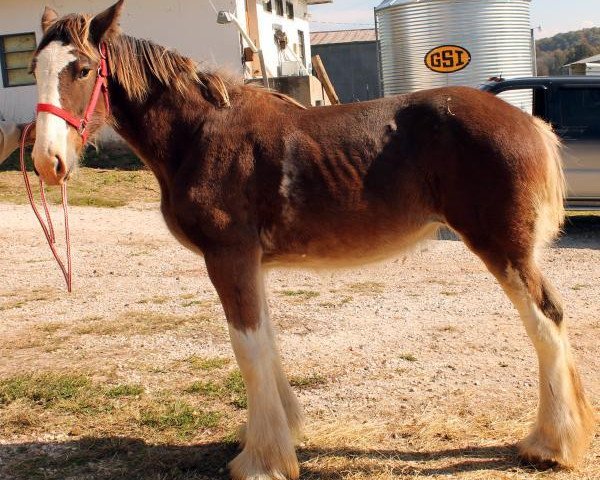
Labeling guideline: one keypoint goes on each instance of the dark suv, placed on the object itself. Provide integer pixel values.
(572, 106)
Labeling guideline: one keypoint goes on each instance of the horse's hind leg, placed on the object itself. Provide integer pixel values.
(273, 412)
(564, 425)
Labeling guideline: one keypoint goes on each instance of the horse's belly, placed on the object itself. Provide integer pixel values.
(333, 248)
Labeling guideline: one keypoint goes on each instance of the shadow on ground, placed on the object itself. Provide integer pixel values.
(579, 231)
(127, 458)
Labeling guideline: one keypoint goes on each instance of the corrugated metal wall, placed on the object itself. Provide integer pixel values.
(352, 68)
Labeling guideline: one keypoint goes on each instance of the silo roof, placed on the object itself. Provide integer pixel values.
(393, 3)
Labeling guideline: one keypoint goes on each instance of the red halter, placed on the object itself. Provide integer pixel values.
(80, 124)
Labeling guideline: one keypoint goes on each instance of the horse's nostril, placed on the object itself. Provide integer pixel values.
(60, 167)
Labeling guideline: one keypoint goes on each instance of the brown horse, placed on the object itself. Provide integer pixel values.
(250, 179)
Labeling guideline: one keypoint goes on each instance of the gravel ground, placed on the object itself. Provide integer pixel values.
(419, 333)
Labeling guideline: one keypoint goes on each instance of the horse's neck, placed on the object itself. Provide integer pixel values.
(156, 128)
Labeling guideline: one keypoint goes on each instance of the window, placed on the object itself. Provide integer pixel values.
(279, 7)
(16, 52)
(302, 47)
(529, 99)
(268, 6)
(290, 10)
(578, 111)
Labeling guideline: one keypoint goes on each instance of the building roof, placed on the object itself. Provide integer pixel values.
(592, 59)
(343, 36)
(317, 2)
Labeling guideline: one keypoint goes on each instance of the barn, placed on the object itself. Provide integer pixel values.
(279, 30)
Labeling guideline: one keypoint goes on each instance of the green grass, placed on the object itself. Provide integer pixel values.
(89, 188)
(366, 287)
(44, 389)
(208, 388)
(308, 382)
(180, 417)
(300, 294)
(234, 385)
(207, 364)
(124, 391)
(134, 323)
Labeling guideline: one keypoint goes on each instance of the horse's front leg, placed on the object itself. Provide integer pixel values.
(268, 449)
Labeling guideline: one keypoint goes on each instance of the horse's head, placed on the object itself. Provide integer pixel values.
(66, 66)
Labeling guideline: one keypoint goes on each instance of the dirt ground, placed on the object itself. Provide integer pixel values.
(414, 368)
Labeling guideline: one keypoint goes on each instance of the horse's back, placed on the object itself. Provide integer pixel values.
(368, 178)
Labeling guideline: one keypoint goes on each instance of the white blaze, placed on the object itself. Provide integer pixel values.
(51, 131)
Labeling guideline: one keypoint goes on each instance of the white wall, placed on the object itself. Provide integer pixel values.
(266, 22)
(186, 25)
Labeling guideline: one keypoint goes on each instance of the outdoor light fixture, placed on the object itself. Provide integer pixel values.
(225, 18)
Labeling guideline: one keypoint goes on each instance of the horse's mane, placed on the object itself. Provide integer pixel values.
(136, 63)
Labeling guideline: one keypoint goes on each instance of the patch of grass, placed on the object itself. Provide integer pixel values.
(50, 327)
(208, 388)
(207, 364)
(12, 304)
(44, 389)
(300, 294)
(124, 391)
(580, 286)
(158, 300)
(25, 297)
(89, 187)
(366, 287)
(202, 303)
(307, 382)
(179, 416)
(409, 357)
(336, 303)
(134, 323)
(234, 386)
(448, 293)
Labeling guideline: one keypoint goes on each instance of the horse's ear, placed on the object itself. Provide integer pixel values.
(49, 18)
(106, 24)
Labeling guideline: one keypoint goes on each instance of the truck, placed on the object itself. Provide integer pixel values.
(571, 104)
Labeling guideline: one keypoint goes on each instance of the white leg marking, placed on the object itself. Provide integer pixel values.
(268, 452)
(51, 131)
(564, 423)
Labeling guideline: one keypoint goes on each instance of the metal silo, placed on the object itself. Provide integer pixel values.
(419, 37)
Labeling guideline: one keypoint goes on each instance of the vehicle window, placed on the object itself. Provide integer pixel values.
(519, 97)
(529, 99)
(578, 114)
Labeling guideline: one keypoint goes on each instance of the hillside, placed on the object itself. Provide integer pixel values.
(556, 51)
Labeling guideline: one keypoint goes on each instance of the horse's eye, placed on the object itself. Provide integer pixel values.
(84, 72)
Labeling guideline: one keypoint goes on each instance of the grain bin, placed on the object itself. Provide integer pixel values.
(435, 43)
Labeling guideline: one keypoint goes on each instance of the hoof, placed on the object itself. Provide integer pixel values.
(543, 453)
(249, 466)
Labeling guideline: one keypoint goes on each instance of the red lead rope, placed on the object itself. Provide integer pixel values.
(48, 228)
(81, 125)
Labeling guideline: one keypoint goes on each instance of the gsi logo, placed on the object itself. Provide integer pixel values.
(447, 58)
